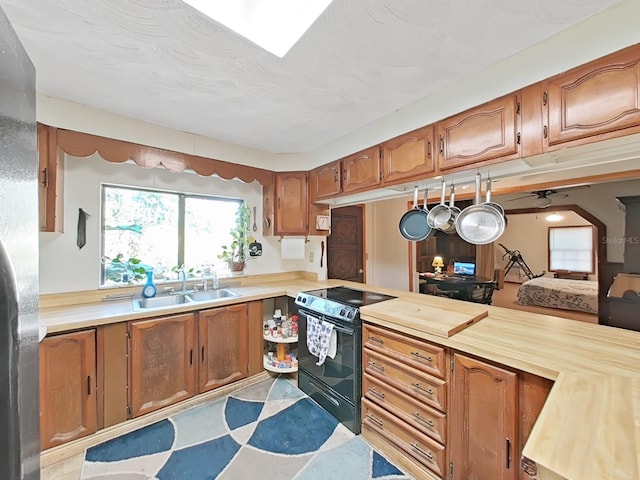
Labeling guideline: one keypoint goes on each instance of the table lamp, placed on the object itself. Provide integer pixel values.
(438, 262)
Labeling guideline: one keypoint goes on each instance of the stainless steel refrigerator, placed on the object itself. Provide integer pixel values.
(19, 225)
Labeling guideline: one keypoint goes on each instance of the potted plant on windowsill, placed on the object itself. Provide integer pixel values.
(235, 254)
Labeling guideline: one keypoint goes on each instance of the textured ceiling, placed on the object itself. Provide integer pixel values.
(163, 62)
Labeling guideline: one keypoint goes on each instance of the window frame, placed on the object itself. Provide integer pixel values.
(182, 200)
(593, 247)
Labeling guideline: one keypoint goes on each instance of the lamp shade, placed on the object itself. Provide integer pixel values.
(437, 262)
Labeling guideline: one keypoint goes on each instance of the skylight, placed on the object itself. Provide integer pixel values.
(274, 25)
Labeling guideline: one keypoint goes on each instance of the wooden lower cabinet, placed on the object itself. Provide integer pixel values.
(421, 447)
(224, 346)
(440, 414)
(405, 401)
(162, 368)
(67, 387)
(484, 421)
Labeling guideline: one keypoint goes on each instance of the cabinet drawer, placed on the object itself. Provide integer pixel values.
(426, 451)
(428, 420)
(417, 353)
(419, 385)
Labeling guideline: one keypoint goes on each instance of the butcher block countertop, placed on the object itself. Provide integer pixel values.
(589, 427)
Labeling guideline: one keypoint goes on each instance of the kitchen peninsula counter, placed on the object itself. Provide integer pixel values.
(589, 427)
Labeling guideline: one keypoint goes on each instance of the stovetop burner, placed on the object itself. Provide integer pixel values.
(339, 302)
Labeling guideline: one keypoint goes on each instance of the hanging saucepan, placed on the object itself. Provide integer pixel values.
(440, 214)
(413, 224)
(480, 224)
(450, 226)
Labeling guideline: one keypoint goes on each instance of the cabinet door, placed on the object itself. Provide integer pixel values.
(67, 387)
(409, 155)
(483, 420)
(324, 181)
(488, 132)
(596, 101)
(161, 363)
(291, 212)
(224, 346)
(361, 170)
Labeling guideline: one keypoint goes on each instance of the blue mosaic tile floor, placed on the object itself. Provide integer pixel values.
(269, 430)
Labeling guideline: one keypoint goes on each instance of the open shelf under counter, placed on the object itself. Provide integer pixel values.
(271, 338)
(271, 368)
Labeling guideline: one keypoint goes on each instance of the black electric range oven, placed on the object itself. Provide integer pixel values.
(336, 384)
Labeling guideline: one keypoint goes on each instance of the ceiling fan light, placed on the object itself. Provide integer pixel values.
(542, 202)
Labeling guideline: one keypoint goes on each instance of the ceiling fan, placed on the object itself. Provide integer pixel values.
(542, 199)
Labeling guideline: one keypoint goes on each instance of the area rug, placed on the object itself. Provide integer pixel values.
(270, 430)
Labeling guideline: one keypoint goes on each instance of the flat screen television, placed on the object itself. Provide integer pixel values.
(464, 268)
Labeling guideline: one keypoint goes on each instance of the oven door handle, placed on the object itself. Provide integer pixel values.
(339, 328)
(348, 331)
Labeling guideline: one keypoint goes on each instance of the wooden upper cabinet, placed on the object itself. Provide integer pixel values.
(68, 407)
(489, 132)
(51, 181)
(409, 155)
(324, 181)
(361, 170)
(484, 421)
(224, 346)
(291, 215)
(161, 362)
(596, 101)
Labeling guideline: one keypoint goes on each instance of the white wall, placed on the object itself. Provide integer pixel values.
(387, 250)
(65, 268)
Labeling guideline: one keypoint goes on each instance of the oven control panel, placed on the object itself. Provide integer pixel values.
(326, 307)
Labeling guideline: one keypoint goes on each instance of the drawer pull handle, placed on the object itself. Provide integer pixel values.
(424, 420)
(419, 355)
(424, 453)
(375, 420)
(378, 367)
(376, 393)
(426, 390)
(377, 340)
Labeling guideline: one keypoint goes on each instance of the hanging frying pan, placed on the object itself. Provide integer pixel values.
(440, 214)
(413, 224)
(488, 201)
(450, 226)
(480, 224)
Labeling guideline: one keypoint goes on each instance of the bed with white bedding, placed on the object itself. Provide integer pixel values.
(579, 295)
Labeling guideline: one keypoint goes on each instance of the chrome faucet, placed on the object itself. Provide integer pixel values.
(181, 272)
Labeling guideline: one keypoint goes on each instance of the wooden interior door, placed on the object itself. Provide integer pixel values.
(345, 245)
(484, 421)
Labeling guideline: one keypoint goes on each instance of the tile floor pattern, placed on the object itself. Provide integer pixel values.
(270, 430)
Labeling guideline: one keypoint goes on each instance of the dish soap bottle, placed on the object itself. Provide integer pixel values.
(149, 290)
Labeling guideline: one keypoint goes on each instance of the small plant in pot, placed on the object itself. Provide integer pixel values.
(236, 253)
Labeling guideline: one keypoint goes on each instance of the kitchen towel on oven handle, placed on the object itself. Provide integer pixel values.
(322, 339)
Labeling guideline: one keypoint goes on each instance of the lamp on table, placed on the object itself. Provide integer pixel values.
(438, 263)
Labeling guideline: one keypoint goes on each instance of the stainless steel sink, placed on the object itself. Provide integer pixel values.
(207, 295)
(166, 301)
(159, 302)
